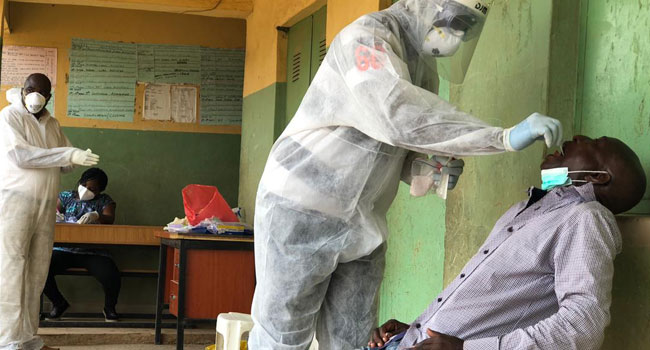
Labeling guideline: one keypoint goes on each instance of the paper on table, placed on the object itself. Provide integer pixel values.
(157, 102)
(18, 62)
(183, 105)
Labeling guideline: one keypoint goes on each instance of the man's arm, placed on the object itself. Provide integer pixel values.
(368, 57)
(26, 155)
(584, 269)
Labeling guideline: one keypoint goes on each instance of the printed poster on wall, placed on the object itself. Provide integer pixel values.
(18, 62)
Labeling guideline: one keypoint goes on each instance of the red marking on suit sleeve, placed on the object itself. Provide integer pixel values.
(366, 59)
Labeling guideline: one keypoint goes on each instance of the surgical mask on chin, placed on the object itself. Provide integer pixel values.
(85, 194)
(442, 42)
(34, 102)
(558, 177)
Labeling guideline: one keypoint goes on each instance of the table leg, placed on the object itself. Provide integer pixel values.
(162, 268)
(180, 323)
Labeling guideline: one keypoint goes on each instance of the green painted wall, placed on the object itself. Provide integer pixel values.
(416, 251)
(262, 122)
(616, 85)
(146, 172)
(507, 81)
(613, 96)
(415, 256)
(148, 169)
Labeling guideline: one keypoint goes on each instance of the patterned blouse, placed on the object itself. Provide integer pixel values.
(74, 209)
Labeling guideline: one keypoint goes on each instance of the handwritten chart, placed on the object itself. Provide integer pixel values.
(102, 80)
(222, 83)
(18, 62)
(103, 76)
(146, 63)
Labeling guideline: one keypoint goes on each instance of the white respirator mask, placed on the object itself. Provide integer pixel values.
(85, 194)
(442, 42)
(34, 102)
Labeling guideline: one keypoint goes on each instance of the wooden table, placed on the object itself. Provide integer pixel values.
(106, 234)
(201, 276)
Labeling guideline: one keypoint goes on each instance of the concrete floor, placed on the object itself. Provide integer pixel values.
(123, 338)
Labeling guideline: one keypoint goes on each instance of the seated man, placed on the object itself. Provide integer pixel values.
(543, 277)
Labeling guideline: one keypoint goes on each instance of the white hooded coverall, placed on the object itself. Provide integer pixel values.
(320, 220)
(32, 155)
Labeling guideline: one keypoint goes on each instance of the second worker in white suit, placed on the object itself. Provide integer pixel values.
(33, 152)
(320, 220)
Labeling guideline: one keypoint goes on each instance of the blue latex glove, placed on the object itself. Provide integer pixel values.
(451, 166)
(535, 127)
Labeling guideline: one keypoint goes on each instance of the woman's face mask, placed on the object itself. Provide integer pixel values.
(85, 194)
(34, 102)
(442, 42)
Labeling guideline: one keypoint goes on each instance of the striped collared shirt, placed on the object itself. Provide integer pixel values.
(541, 280)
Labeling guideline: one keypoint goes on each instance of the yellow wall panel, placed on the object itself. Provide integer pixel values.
(55, 26)
(340, 13)
(266, 46)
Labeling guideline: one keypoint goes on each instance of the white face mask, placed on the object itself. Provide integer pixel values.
(442, 42)
(85, 194)
(34, 102)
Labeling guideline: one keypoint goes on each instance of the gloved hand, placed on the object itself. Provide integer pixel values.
(84, 158)
(531, 129)
(89, 218)
(428, 172)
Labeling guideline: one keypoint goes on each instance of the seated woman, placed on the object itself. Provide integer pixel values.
(87, 205)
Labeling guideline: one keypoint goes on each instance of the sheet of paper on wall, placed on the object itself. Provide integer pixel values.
(157, 102)
(102, 80)
(18, 62)
(184, 104)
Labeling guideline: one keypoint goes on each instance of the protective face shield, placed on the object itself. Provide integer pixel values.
(85, 194)
(34, 102)
(462, 21)
(558, 177)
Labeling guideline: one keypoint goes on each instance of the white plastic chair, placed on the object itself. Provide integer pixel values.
(230, 329)
(232, 326)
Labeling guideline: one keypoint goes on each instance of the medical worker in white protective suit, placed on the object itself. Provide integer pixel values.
(320, 221)
(33, 152)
